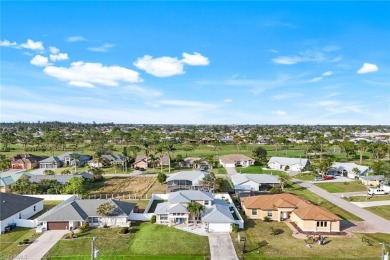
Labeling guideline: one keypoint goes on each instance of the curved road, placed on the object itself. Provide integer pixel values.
(372, 219)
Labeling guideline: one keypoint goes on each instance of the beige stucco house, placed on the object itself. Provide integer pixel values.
(307, 216)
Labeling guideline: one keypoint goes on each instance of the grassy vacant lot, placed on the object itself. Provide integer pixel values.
(145, 240)
(336, 187)
(47, 205)
(368, 198)
(310, 196)
(383, 211)
(9, 242)
(257, 169)
(260, 244)
(306, 176)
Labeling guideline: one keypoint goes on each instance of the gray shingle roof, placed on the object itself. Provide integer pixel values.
(186, 196)
(193, 176)
(289, 161)
(238, 178)
(12, 204)
(218, 213)
(166, 207)
(60, 178)
(349, 167)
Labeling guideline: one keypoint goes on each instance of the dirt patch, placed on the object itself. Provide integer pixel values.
(127, 185)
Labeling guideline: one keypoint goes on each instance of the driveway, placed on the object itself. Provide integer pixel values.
(42, 245)
(221, 247)
(372, 219)
(230, 171)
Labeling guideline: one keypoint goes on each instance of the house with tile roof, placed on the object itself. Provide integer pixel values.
(278, 207)
(217, 217)
(26, 161)
(75, 213)
(236, 160)
(14, 207)
(288, 164)
(254, 182)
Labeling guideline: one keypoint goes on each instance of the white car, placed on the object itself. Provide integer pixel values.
(377, 191)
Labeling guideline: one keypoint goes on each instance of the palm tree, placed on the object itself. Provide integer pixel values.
(284, 178)
(105, 210)
(362, 145)
(195, 208)
(170, 149)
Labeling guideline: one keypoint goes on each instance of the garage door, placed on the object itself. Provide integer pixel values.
(219, 227)
(57, 225)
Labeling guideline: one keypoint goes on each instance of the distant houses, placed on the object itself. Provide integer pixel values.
(143, 162)
(109, 159)
(64, 160)
(348, 169)
(26, 161)
(195, 162)
(288, 164)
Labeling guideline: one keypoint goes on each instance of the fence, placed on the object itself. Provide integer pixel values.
(25, 223)
(52, 196)
(134, 196)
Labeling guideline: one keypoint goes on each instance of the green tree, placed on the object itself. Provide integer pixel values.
(362, 145)
(284, 178)
(76, 185)
(381, 168)
(356, 171)
(6, 139)
(161, 177)
(260, 154)
(97, 173)
(349, 147)
(105, 210)
(48, 172)
(195, 208)
(5, 162)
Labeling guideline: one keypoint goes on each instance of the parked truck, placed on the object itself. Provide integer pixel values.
(377, 191)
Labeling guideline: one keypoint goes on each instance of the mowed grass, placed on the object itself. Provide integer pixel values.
(257, 170)
(260, 244)
(145, 240)
(9, 241)
(367, 198)
(306, 176)
(310, 196)
(337, 187)
(383, 211)
(47, 205)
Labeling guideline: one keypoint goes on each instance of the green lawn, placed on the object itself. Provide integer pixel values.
(146, 241)
(383, 211)
(310, 196)
(306, 176)
(337, 187)
(9, 241)
(47, 205)
(367, 198)
(257, 170)
(260, 244)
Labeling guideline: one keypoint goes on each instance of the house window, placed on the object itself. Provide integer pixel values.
(322, 223)
(35, 208)
(206, 202)
(164, 217)
(269, 213)
(20, 215)
(254, 211)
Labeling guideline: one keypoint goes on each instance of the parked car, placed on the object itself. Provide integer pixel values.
(377, 191)
(328, 177)
(318, 178)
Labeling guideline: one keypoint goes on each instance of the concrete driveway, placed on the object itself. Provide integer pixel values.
(42, 245)
(230, 171)
(221, 247)
(377, 222)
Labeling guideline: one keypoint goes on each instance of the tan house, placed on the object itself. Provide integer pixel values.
(307, 216)
(234, 160)
(141, 162)
(25, 161)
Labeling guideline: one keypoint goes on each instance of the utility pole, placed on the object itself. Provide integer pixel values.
(93, 248)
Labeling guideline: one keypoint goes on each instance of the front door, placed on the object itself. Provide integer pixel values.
(179, 221)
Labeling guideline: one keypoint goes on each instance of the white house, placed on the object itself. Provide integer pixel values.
(15, 207)
(75, 213)
(347, 169)
(288, 164)
(254, 182)
(186, 180)
(233, 160)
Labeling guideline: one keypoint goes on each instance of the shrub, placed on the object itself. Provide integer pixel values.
(235, 227)
(124, 230)
(153, 219)
(267, 219)
(84, 227)
(275, 231)
(275, 190)
(346, 183)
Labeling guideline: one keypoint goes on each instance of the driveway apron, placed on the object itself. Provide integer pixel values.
(221, 247)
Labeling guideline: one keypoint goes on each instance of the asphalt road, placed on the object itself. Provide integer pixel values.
(376, 221)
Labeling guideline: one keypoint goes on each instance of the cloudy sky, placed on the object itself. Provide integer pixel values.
(324, 62)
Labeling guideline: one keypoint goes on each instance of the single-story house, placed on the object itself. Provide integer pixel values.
(347, 169)
(195, 162)
(62, 178)
(288, 164)
(234, 160)
(141, 162)
(26, 161)
(14, 206)
(372, 180)
(186, 180)
(8, 179)
(216, 218)
(75, 213)
(65, 159)
(307, 216)
(111, 158)
(164, 160)
(254, 182)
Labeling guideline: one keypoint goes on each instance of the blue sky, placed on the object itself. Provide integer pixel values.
(325, 62)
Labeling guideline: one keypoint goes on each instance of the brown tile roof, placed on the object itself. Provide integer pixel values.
(235, 157)
(303, 209)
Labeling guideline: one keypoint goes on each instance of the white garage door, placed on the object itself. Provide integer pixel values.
(230, 165)
(219, 227)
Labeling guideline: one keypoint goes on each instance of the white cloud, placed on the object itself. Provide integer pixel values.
(228, 100)
(279, 113)
(59, 56)
(186, 103)
(75, 39)
(31, 45)
(160, 67)
(54, 50)
(195, 59)
(85, 74)
(306, 56)
(40, 61)
(6, 43)
(367, 68)
(327, 73)
(103, 48)
(142, 91)
(316, 79)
